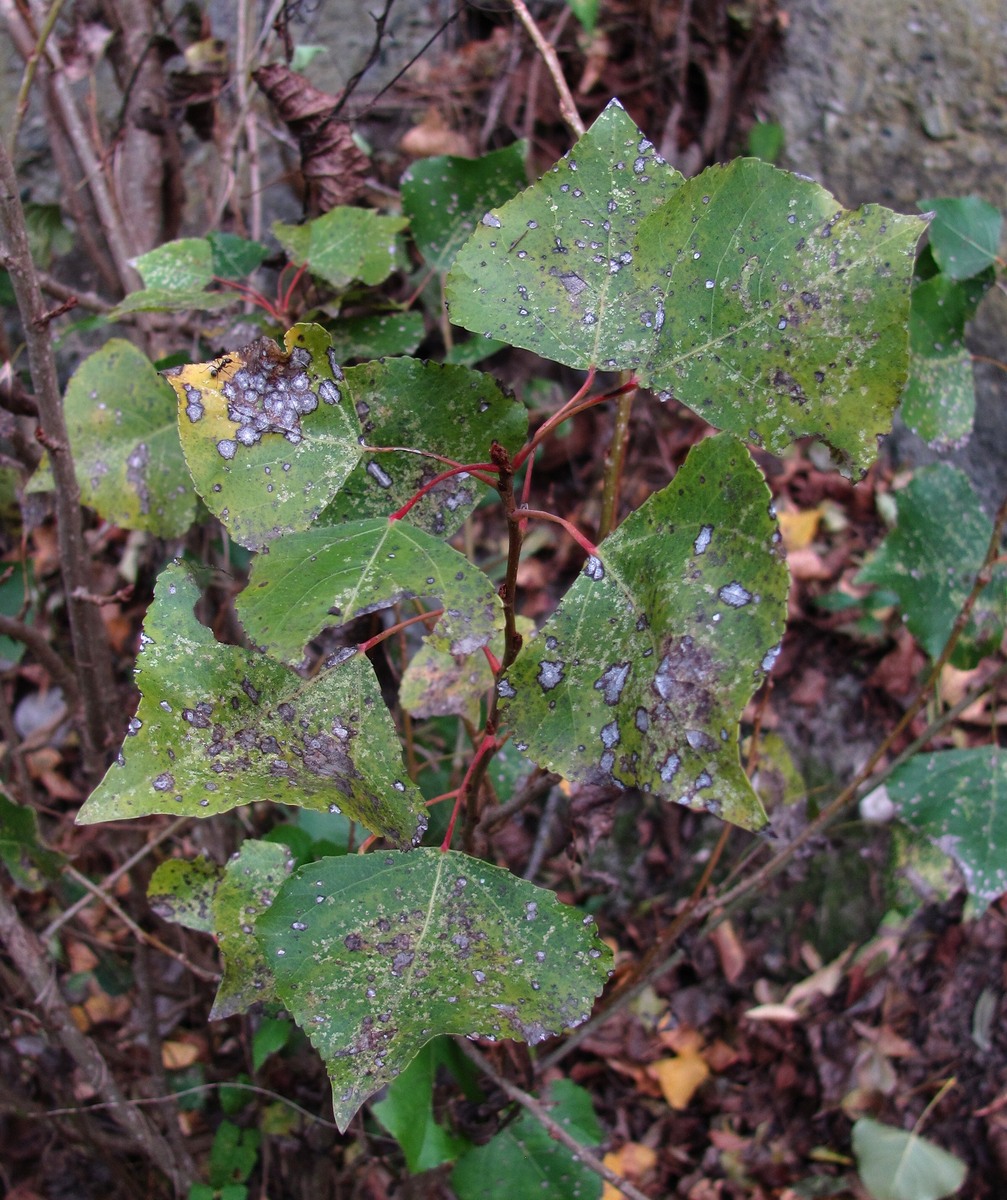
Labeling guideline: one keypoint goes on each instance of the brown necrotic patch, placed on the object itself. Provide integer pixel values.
(684, 683)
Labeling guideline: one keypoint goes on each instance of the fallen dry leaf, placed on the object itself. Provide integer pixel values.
(798, 529)
(631, 1161)
(729, 950)
(175, 1056)
(680, 1076)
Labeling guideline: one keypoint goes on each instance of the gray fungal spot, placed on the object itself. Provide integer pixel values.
(612, 681)
(770, 657)
(702, 542)
(506, 690)
(227, 448)
(334, 367)
(550, 674)
(164, 782)
(610, 735)
(641, 720)
(490, 220)
(380, 476)
(328, 392)
(735, 595)
(699, 740)
(669, 768)
(593, 568)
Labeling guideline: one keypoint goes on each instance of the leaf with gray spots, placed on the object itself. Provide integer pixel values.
(219, 726)
(266, 433)
(931, 564)
(640, 676)
(226, 901)
(746, 293)
(175, 277)
(120, 416)
(375, 955)
(958, 800)
(445, 196)
(345, 244)
(454, 412)
(326, 577)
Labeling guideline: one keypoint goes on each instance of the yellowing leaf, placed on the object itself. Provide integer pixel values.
(631, 1161)
(680, 1077)
(799, 528)
(176, 1056)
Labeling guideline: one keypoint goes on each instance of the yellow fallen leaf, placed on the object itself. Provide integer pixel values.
(680, 1077)
(177, 1055)
(630, 1161)
(798, 529)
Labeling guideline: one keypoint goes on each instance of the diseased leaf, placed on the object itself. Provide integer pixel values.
(746, 293)
(266, 433)
(958, 800)
(382, 336)
(523, 1160)
(219, 726)
(444, 197)
(640, 676)
(453, 412)
(897, 1164)
(939, 401)
(120, 416)
(343, 245)
(180, 266)
(931, 562)
(181, 890)
(375, 955)
(329, 576)
(964, 234)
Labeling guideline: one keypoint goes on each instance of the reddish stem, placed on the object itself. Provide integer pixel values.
(486, 747)
(284, 302)
(492, 659)
(363, 647)
(428, 487)
(524, 514)
(250, 293)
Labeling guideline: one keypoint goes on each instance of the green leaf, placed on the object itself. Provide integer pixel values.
(344, 244)
(184, 265)
(170, 300)
(930, 562)
(21, 849)
(382, 336)
(443, 197)
(407, 1111)
(958, 800)
(233, 1156)
(523, 1160)
(270, 1037)
(219, 726)
(641, 675)
(964, 234)
(266, 433)
(586, 11)
(895, 1164)
(181, 890)
(451, 411)
(235, 257)
(324, 577)
(18, 598)
(747, 293)
(120, 416)
(939, 401)
(404, 947)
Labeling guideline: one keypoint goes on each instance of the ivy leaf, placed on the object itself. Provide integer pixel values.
(931, 563)
(897, 1164)
(454, 412)
(219, 726)
(747, 293)
(939, 401)
(344, 244)
(403, 947)
(324, 577)
(958, 800)
(523, 1160)
(443, 197)
(120, 415)
(964, 234)
(266, 433)
(640, 676)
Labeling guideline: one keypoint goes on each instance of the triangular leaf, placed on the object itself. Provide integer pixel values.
(220, 726)
(958, 800)
(964, 234)
(235, 257)
(443, 197)
(931, 564)
(641, 675)
(325, 577)
(747, 293)
(450, 411)
(344, 244)
(375, 955)
(895, 1164)
(266, 433)
(120, 415)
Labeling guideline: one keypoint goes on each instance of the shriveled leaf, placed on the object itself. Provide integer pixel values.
(444, 197)
(896, 1164)
(381, 336)
(343, 245)
(939, 401)
(641, 675)
(22, 851)
(375, 955)
(931, 562)
(523, 1160)
(325, 577)
(454, 412)
(266, 433)
(958, 800)
(964, 234)
(248, 886)
(746, 293)
(220, 726)
(120, 415)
